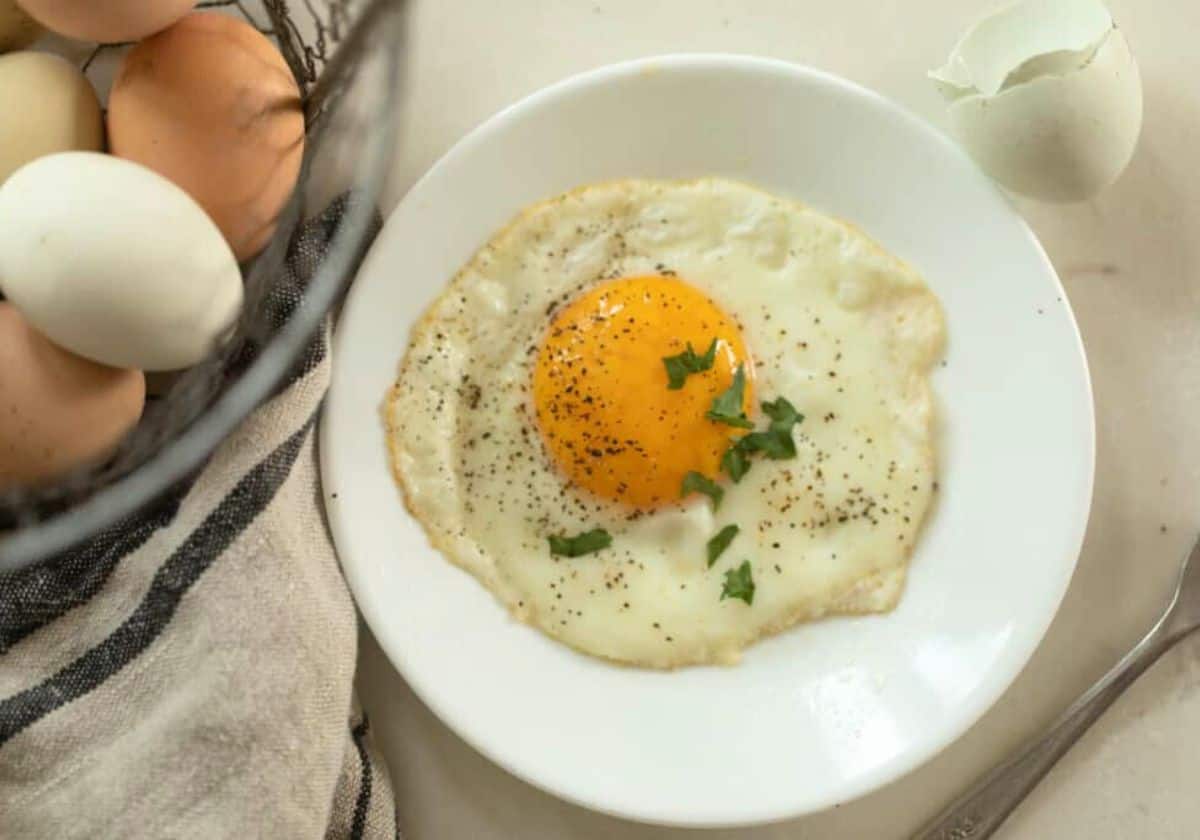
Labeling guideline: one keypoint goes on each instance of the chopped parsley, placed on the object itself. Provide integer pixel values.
(739, 583)
(776, 447)
(783, 417)
(774, 442)
(687, 362)
(736, 461)
(718, 544)
(783, 412)
(727, 406)
(695, 482)
(581, 544)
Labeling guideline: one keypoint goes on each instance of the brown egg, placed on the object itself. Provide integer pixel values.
(211, 105)
(107, 21)
(17, 29)
(57, 411)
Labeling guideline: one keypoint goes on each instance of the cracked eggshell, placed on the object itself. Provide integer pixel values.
(115, 263)
(1046, 96)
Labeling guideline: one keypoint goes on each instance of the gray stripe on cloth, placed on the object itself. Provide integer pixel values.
(171, 582)
(55, 646)
(362, 801)
(234, 723)
(33, 597)
(215, 661)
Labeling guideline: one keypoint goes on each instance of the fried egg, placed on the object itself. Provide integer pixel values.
(660, 420)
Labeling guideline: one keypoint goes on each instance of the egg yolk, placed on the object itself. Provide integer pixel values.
(600, 389)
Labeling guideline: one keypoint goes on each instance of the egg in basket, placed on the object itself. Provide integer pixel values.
(156, 250)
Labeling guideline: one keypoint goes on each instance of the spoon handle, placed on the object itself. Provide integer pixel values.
(980, 811)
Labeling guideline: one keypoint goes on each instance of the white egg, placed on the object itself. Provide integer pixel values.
(1046, 96)
(115, 263)
(534, 402)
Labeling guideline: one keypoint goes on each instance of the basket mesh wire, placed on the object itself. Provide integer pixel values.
(346, 56)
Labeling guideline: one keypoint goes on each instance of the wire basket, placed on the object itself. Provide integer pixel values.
(347, 58)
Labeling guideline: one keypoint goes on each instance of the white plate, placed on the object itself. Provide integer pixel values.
(822, 713)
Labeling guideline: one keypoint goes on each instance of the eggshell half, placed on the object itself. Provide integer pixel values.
(17, 29)
(993, 48)
(1058, 137)
(115, 263)
(57, 411)
(211, 104)
(107, 21)
(46, 106)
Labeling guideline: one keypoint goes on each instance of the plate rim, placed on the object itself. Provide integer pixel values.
(878, 777)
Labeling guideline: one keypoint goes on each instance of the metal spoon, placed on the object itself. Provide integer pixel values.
(980, 811)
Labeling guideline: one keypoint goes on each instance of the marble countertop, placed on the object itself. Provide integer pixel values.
(1130, 261)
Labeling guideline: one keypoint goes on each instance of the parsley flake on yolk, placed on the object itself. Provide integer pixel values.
(604, 404)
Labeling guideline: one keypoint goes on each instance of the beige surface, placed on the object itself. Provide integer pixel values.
(1131, 264)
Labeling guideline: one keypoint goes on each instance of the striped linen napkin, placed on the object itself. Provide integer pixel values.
(188, 673)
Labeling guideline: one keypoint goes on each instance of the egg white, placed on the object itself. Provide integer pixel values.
(839, 327)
